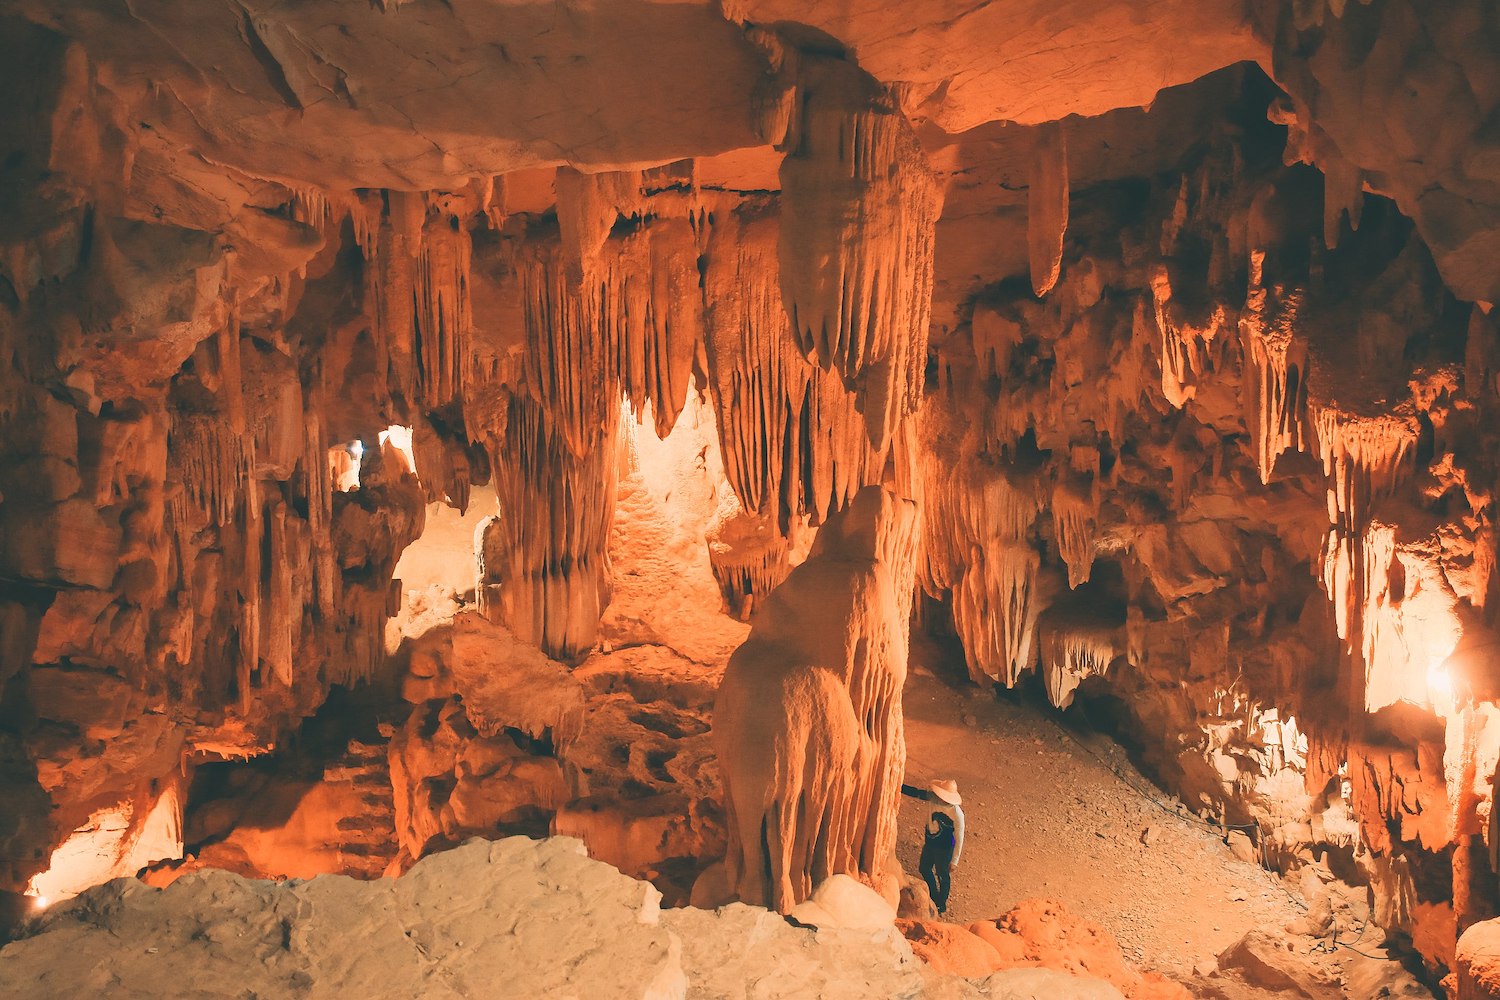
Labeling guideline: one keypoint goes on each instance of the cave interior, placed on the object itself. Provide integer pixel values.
(668, 439)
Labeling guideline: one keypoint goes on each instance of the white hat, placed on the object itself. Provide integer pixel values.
(947, 790)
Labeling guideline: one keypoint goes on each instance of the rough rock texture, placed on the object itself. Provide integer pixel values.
(1479, 962)
(513, 918)
(1038, 934)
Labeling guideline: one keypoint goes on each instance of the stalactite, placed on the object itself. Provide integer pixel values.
(418, 284)
(567, 364)
(753, 366)
(1047, 206)
(248, 584)
(1343, 195)
(749, 556)
(829, 449)
(230, 373)
(443, 320)
(212, 461)
(391, 279)
(631, 324)
(975, 530)
(312, 207)
(1187, 349)
(856, 246)
(318, 481)
(279, 625)
(1274, 370)
(556, 507)
(792, 438)
(442, 464)
(1364, 459)
(1072, 650)
(658, 321)
(995, 607)
(588, 206)
(1075, 508)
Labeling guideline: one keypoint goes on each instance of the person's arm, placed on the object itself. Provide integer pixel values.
(917, 793)
(958, 835)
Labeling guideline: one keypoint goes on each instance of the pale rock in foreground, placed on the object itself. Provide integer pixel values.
(510, 918)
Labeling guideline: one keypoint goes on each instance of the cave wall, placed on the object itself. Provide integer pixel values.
(1195, 402)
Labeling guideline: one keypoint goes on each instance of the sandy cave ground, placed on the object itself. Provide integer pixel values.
(1046, 819)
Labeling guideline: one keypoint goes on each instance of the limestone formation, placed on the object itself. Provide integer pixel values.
(1156, 341)
(807, 723)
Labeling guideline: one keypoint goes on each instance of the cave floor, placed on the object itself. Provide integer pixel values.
(1046, 819)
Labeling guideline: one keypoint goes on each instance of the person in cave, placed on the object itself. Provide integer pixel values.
(938, 852)
(944, 838)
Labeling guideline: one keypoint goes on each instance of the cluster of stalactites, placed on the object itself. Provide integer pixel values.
(976, 529)
(1365, 459)
(556, 506)
(629, 322)
(252, 534)
(749, 555)
(856, 246)
(1072, 650)
(419, 284)
(417, 251)
(216, 463)
(793, 441)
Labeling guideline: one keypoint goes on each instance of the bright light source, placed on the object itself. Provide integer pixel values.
(357, 448)
(1439, 683)
(399, 438)
(42, 902)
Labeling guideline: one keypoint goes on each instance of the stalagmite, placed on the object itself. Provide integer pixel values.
(1047, 206)
(808, 723)
(856, 242)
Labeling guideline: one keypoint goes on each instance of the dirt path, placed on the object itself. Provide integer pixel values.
(1047, 819)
